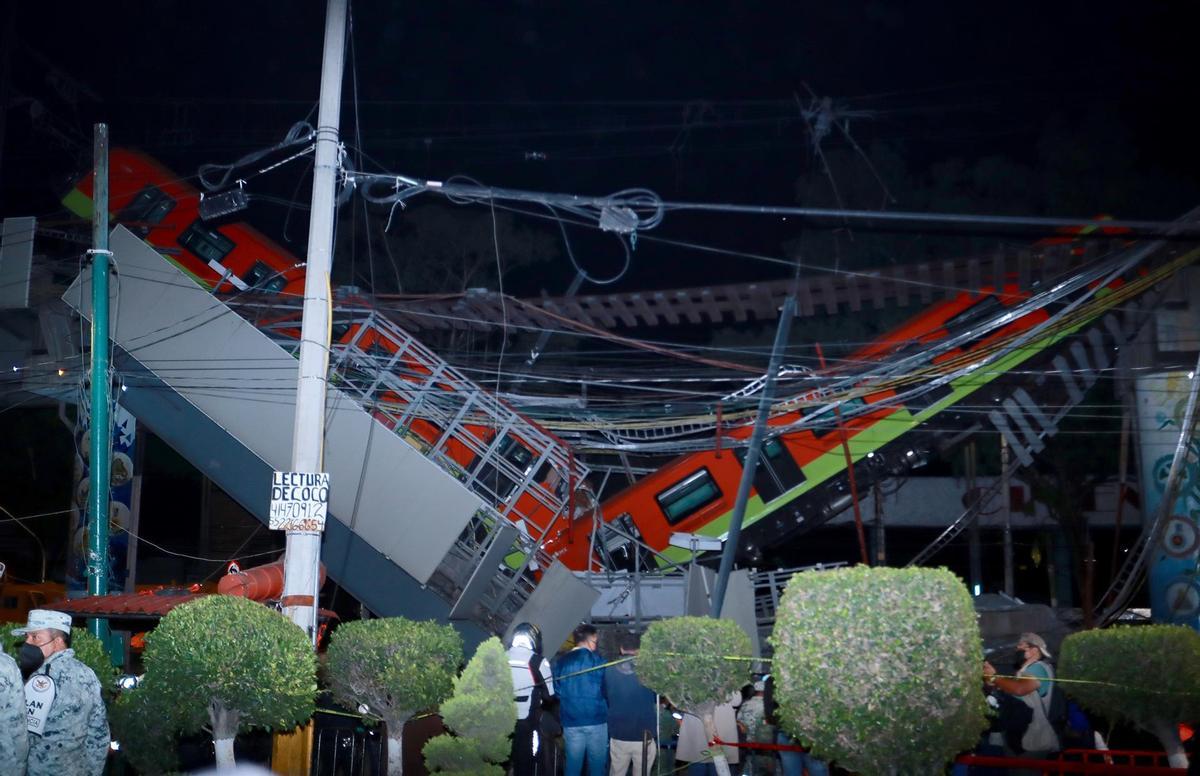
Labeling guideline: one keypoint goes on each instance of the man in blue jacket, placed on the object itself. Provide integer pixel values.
(579, 683)
(632, 713)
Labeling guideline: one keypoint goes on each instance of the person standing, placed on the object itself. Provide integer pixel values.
(693, 747)
(632, 713)
(533, 692)
(68, 727)
(579, 681)
(793, 761)
(1034, 685)
(14, 743)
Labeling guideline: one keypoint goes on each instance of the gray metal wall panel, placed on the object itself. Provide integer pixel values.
(16, 259)
(375, 581)
(410, 510)
(557, 605)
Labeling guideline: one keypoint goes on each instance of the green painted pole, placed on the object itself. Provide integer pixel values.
(100, 447)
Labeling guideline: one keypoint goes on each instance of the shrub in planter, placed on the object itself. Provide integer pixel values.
(696, 662)
(396, 668)
(145, 728)
(232, 664)
(1147, 675)
(482, 715)
(879, 669)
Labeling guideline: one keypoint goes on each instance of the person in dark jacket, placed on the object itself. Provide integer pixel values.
(632, 714)
(579, 683)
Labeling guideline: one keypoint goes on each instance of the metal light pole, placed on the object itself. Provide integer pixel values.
(753, 452)
(100, 447)
(301, 562)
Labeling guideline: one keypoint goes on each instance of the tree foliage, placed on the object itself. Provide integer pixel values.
(232, 663)
(481, 714)
(879, 668)
(397, 667)
(145, 727)
(1143, 675)
(695, 662)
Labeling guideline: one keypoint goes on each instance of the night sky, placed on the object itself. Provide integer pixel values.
(1068, 108)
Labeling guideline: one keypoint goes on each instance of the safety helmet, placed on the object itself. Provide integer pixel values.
(527, 635)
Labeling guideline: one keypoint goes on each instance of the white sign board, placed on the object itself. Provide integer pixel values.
(299, 501)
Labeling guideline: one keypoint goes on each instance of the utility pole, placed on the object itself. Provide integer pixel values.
(300, 570)
(973, 543)
(1008, 538)
(99, 449)
(880, 536)
(752, 455)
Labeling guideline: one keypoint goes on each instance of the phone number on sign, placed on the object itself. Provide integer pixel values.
(297, 516)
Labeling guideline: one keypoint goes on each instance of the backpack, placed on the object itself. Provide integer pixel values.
(1012, 718)
(1058, 713)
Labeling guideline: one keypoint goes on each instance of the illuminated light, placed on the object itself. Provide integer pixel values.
(978, 590)
(114, 745)
(909, 454)
(871, 455)
(16, 368)
(62, 372)
(124, 388)
(1191, 375)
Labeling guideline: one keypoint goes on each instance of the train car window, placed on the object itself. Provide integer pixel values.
(925, 400)
(828, 419)
(150, 207)
(777, 471)
(686, 498)
(264, 278)
(498, 482)
(206, 242)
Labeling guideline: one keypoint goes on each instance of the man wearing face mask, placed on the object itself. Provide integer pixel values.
(1033, 684)
(14, 744)
(68, 729)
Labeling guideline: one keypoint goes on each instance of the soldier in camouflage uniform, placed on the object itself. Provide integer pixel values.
(74, 733)
(14, 744)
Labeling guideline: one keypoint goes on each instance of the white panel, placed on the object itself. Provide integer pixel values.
(409, 509)
(556, 606)
(16, 258)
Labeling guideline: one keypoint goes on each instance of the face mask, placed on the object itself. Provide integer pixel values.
(30, 659)
(1019, 655)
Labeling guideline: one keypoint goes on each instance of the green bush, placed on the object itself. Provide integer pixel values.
(396, 668)
(879, 669)
(1146, 675)
(233, 664)
(696, 662)
(143, 725)
(480, 712)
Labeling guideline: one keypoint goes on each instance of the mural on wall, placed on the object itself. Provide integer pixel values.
(1174, 582)
(120, 505)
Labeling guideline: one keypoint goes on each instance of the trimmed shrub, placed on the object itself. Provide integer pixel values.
(880, 669)
(396, 668)
(1147, 675)
(696, 663)
(482, 715)
(143, 725)
(233, 664)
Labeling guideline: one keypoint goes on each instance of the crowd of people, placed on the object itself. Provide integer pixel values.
(609, 722)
